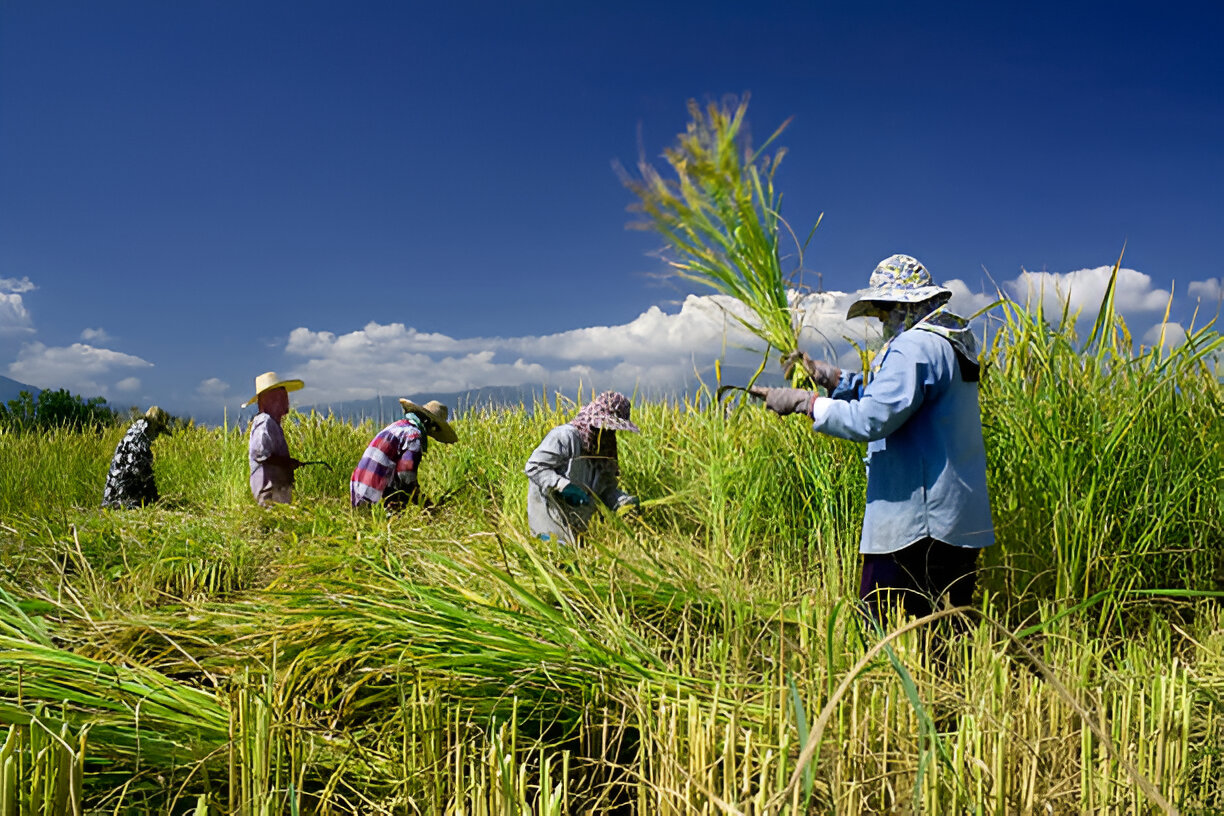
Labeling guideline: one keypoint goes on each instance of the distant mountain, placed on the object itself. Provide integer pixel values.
(387, 408)
(9, 389)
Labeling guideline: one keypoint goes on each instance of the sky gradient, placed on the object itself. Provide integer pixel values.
(398, 197)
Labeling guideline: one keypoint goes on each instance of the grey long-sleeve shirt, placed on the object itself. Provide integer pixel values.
(553, 465)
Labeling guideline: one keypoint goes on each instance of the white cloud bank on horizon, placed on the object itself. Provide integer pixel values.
(1084, 289)
(80, 368)
(657, 351)
(14, 317)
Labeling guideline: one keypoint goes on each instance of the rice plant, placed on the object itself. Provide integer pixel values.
(720, 217)
(205, 655)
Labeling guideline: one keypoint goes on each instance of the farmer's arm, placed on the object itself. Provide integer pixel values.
(268, 446)
(549, 461)
(894, 394)
(614, 497)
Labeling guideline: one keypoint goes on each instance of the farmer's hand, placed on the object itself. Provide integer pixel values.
(826, 375)
(783, 401)
(629, 506)
(575, 496)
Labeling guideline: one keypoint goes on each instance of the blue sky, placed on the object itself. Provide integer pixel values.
(402, 198)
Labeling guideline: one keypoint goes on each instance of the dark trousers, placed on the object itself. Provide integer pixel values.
(918, 577)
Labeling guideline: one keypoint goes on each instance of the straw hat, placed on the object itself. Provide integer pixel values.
(157, 419)
(437, 412)
(898, 279)
(269, 380)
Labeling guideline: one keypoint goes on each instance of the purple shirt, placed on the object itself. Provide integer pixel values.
(270, 484)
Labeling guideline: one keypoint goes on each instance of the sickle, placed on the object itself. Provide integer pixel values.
(753, 391)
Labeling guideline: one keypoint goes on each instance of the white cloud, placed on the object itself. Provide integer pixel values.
(1209, 291)
(654, 351)
(17, 285)
(657, 350)
(98, 335)
(80, 368)
(212, 387)
(128, 384)
(1084, 289)
(14, 318)
(1173, 335)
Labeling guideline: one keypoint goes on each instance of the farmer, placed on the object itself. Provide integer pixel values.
(388, 469)
(271, 465)
(130, 483)
(576, 464)
(928, 513)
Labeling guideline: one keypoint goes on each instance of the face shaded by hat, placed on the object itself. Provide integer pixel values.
(898, 279)
(607, 412)
(157, 421)
(269, 380)
(435, 414)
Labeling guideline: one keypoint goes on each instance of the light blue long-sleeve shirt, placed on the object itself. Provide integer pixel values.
(926, 461)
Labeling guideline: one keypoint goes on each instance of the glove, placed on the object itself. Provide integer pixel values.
(783, 401)
(629, 506)
(825, 375)
(575, 496)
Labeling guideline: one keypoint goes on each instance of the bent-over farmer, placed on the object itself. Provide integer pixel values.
(574, 466)
(268, 453)
(389, 468)
(928, 513)
(130, 482)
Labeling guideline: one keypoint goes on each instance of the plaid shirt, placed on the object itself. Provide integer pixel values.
(397, 449)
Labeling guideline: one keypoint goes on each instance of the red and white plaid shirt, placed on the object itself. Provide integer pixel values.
(396, 449)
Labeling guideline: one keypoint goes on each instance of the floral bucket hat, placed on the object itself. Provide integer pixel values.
(898, 279)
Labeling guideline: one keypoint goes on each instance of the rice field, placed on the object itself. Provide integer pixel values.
(207, 656)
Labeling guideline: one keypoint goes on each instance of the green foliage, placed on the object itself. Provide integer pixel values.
(55, 409)
(721, 217)
(207, 653)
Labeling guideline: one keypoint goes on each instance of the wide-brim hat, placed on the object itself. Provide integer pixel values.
(609, 412)
(269, 380)
(438, 413)
(898, 279)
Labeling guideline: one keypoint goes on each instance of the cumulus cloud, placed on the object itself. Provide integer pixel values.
(212, 387)
(658, 350)
(1208, 291)
(128, 384)
(655, 351)
(1165, 335)
(14, 317)
(1084, 289)
(16, 285)
(80, 368)
(98, 335)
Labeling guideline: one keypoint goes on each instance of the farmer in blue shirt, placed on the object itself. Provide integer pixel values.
(928, 513)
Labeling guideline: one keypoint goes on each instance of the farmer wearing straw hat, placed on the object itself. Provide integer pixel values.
(130, 483)
(388, 469)
(928, 513)
(268, 454)
(575, 465)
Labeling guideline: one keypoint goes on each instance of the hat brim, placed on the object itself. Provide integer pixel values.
(607, 422)
(288, 385)
(888, 294)
(444, 433)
